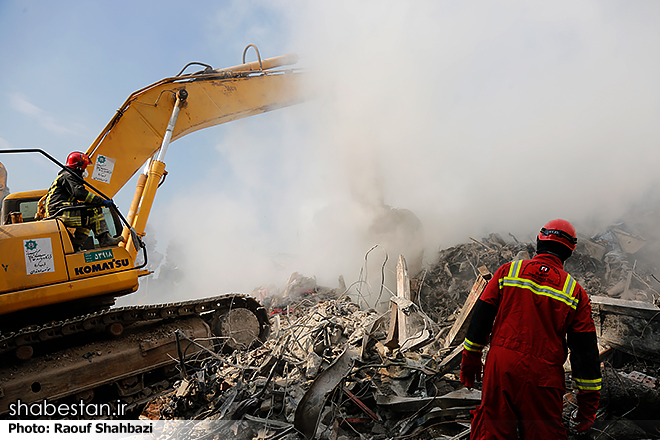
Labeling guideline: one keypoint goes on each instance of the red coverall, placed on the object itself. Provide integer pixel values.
(535, 304)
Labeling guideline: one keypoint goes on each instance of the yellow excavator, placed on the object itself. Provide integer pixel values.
(60, 338)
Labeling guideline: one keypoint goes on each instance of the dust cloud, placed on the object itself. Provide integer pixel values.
(429, 123)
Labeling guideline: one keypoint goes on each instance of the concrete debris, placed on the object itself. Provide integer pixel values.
(630, 326)
(321, 374)
(334, 370)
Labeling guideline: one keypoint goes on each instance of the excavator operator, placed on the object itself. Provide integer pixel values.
(533, 312)
(67, 191)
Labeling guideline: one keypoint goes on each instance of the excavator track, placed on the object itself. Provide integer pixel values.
(121, 348)
(107, 320)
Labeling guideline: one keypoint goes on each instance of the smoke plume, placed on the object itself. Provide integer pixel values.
(429, 123)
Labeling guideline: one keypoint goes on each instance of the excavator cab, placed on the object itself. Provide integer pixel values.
(42, 268)
(20, 207)
(24, 208)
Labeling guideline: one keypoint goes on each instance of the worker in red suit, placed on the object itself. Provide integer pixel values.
(533, 311)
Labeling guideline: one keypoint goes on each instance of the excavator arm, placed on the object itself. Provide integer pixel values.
(214, 97)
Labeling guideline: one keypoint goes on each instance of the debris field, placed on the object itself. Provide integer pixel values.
(334, 370)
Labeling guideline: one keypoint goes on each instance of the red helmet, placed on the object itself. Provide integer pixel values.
(561, 231)
(78, 160)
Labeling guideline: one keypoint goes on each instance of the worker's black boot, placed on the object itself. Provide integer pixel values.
(78, 241)
(106, 240)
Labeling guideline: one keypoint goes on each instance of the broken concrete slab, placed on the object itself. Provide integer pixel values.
(630, 326)
(629, 243)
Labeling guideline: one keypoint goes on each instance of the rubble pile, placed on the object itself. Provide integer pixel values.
(323, 373)
(444, 288)
(612, 264)
(333, 370)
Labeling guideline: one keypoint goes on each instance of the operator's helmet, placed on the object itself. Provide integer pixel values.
(78, 161)
(560, 231)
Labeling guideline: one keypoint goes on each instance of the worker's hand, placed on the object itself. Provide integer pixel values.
(107, 203)
(470, 368)
(586, 413)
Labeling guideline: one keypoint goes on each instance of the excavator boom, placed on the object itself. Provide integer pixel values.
(136, 131)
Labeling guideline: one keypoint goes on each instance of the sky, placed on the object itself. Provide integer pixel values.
(428, 122)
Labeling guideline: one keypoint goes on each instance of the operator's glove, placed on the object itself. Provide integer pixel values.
(107, 203)
(470, 368)
(586, 414)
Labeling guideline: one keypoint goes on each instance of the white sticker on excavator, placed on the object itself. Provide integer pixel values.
(103, 168)
(38, 256)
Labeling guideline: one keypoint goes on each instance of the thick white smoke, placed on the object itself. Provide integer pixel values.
(471, 117)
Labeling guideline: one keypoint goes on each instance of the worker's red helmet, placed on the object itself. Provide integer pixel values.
(78, 160)
(561, 231)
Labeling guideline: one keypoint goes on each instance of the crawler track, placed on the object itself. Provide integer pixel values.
(35, 336)
(136, 357)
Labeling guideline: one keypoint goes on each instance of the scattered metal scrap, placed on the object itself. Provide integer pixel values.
(308, 412)
(333, 370)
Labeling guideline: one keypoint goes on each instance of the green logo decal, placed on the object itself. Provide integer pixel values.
(30, 245)
(101, 159)
(91, 257)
